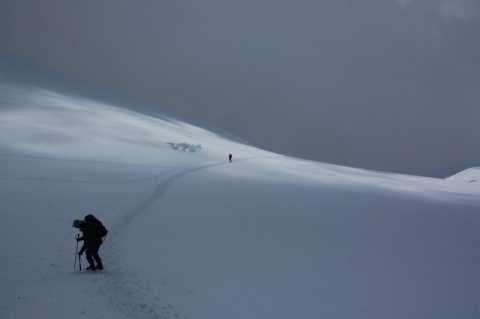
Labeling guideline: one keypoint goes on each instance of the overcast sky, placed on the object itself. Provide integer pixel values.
(390, 85)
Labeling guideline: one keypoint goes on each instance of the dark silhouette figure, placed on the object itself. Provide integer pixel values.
(92, 239)
(230, 157)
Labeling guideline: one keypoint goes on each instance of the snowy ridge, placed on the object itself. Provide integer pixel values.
(192, 235)
(471, 175)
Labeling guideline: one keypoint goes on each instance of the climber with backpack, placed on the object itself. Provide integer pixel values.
(94, 234)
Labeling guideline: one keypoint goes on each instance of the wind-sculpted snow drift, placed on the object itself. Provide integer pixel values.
(195, 236)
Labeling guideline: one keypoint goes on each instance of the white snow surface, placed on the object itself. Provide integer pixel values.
(471, 175)
(192, 235)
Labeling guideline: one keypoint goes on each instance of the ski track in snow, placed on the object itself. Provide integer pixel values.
(83, 161)
(33, 179)
(124, 289)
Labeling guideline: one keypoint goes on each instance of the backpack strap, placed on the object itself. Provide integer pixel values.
(104, 237)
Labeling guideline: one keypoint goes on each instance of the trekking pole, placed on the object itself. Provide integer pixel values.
(79, 257)
(76, 252)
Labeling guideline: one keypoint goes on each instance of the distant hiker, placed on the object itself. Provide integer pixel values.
(230, 157)
(93, 231)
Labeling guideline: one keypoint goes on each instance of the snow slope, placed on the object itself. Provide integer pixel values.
(194, 236)
(471, 175)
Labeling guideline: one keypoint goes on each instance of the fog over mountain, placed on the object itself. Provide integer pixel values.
(389, 85)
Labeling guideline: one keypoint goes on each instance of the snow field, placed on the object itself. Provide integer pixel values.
(194, 236)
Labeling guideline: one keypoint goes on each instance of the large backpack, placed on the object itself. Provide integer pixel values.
(100, 230)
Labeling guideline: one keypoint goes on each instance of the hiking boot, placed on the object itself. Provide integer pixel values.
(91, 267)
(99, 266)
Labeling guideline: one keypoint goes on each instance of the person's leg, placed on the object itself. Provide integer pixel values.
(96, 256)
(89, 254)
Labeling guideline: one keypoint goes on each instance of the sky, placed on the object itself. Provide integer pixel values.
(388, 85)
